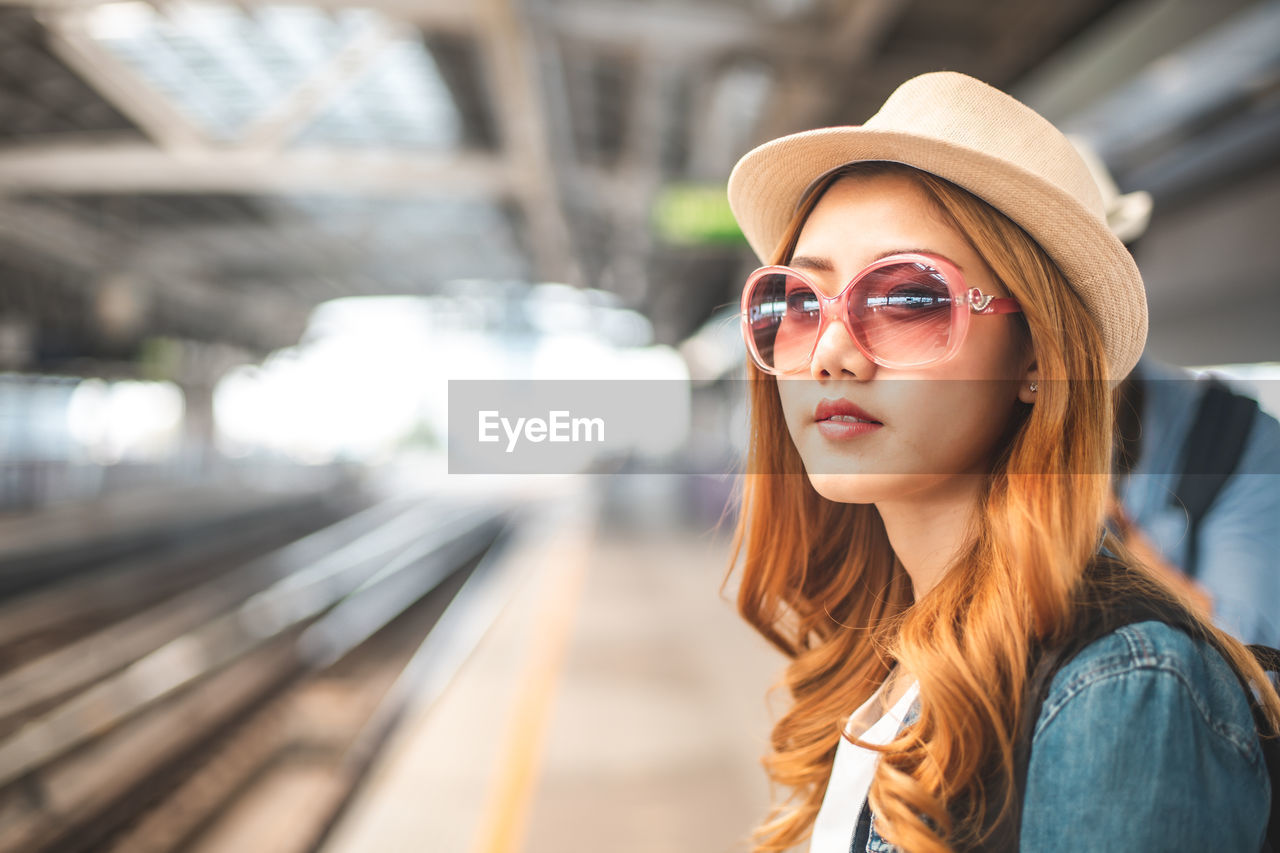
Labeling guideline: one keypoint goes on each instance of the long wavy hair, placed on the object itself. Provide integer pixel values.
(820, 581)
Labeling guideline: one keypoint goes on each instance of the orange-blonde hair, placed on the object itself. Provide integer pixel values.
(820, 581)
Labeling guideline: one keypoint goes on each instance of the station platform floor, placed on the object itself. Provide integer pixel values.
(618, 703)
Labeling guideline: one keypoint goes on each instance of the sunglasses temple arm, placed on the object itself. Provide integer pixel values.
(991, 305)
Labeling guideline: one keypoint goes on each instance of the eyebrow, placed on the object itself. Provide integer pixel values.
(812, 262)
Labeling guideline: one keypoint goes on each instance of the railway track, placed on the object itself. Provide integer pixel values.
(94, 593)
(271, 682)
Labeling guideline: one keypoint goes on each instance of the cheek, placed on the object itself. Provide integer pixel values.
(793, 405)
(993, 349)
(953, 425)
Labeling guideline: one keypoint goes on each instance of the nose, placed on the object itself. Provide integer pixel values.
(837, 355)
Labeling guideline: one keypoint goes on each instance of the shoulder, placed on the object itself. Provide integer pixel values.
(1136, 665)
(1150, 732)
(1149, 369)
(1165, 387)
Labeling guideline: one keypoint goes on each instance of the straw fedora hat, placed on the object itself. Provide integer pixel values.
(995, 147)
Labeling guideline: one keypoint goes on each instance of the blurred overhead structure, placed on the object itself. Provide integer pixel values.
(228, 166)
(1182, 99)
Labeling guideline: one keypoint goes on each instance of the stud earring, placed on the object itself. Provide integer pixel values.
(1033, 387)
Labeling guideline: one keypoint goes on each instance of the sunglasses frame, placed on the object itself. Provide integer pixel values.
(836, 308)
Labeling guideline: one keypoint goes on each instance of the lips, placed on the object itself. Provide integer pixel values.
(842, 411)
(840, 420)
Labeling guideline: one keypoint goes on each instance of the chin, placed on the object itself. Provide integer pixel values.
(869, 488)
(856, 488)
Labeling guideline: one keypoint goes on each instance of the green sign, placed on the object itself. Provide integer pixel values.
(695, 214)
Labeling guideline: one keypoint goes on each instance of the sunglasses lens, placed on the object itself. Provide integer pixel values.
(902, 314)
(783, 315)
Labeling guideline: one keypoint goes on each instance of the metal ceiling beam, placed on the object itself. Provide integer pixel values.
(630, 193)
(507, 44)
(1231, 68)
(734, 104)
(692, 30)
(192, 305)
(126, 91)
(862, 26)
(296, 248)
(802, 98)
(292, 254)
(663, 25)
(296, 110)
(139, 168)
(429, 14)
(678, 26)
(1116, 49)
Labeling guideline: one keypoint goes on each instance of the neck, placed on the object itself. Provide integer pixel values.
(928, 530)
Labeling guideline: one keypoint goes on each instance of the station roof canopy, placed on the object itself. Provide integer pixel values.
(212, 171)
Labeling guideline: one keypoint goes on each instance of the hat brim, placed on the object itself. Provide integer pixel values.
(768, 183)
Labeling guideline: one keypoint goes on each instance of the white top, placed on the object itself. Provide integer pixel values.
(852, 771)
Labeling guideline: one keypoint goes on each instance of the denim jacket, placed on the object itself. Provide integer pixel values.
(1145, 743)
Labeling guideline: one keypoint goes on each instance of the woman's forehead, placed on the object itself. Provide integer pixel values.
(859, 219)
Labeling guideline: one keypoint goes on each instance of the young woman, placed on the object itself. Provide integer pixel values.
(933, 349)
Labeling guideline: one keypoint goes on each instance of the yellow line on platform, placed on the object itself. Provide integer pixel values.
(503, 825)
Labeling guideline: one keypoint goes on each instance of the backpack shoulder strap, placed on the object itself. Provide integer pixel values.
(1210, 454)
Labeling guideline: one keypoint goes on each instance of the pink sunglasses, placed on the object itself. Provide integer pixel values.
(906, 310)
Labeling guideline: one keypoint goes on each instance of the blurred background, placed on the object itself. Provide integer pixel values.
(245, 246)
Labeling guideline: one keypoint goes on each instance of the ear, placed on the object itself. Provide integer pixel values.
(1027, 389)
